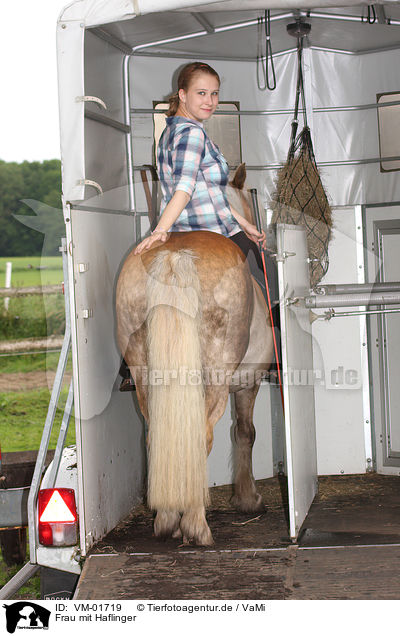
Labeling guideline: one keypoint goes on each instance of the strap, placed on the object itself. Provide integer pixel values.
(149, 199)
(269, 60)
(299, 91)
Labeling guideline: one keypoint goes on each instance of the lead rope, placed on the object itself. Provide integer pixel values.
(269, 60)
(256, 211)
(278, 366)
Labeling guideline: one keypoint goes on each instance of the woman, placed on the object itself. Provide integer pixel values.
(193, 172)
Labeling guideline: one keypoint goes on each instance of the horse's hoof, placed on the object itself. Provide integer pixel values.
(195, 528)
(254, 503)
(177, 534)
(166, 524)
(201, 539)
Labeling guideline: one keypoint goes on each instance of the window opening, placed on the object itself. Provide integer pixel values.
(389, 131)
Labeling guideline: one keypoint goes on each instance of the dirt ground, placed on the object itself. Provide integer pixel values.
(28, 381)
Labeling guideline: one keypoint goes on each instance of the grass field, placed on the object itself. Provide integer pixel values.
(26, 272)
(22, 416)
(39, 361)
(32, 316)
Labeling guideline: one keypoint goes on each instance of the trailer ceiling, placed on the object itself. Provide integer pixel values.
(209, 33)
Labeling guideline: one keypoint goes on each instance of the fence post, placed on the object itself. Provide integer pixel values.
(8, 282)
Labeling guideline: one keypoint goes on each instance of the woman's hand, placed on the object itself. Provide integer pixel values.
(155, 236)
(254, 235)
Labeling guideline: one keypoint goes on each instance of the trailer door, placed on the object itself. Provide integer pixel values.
(298, 374)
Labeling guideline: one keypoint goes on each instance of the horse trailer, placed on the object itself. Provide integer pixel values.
(117, 63)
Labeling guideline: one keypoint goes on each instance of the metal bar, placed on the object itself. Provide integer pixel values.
(94, 208)
(111, 39)
(107, 121)
(62, 436)
(180, 38)
(337, 314)
(325, 164)
(345, 18)
(352, 300)
(23, 575)
(128, 142)
(221, 29)
(201, 18)
(355, 288)
(48, 425)
(278, 111)
(224, 58)
(334, 16)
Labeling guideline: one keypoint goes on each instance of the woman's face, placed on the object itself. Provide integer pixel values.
(201, 99)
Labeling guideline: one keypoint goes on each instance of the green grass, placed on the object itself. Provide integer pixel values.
(31, 589)
(22, 416)
(25, 276)
(39, 361)
(32, 316)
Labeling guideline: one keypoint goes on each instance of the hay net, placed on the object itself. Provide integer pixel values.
(300, 198)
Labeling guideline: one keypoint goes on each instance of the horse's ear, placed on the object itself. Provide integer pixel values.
(239, 177)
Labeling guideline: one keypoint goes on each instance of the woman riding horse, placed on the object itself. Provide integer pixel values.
(193, 172)
(192, 324)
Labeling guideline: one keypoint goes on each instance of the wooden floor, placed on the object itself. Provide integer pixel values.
(349, 548)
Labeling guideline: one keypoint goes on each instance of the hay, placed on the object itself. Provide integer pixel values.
(300, 199)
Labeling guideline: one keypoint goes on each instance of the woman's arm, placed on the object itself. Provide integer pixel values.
(172, 210)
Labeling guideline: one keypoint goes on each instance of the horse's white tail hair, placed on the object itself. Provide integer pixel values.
(177, 473)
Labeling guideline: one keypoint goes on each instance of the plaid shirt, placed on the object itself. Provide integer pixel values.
(188, 160)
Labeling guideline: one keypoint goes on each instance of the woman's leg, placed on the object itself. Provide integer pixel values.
(252, 253)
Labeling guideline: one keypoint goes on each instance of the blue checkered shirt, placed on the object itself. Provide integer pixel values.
(188, 160)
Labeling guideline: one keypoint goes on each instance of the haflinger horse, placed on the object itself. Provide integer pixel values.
(193, 327)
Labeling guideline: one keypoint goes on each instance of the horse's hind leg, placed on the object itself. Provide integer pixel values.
(246, 497)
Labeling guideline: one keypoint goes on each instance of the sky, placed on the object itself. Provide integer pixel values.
(29, 100)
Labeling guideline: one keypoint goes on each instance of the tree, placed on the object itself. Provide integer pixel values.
(39, 182)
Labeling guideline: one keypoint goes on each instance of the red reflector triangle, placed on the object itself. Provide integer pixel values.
(56, 510)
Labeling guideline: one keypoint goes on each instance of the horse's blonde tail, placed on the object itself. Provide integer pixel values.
(177, 477)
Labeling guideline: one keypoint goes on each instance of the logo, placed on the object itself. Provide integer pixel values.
(26, 615)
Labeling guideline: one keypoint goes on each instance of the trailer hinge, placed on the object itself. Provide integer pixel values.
(83, 267)
(281, 258)
(87, 313)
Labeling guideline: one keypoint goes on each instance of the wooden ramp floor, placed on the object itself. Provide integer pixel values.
(349, 548)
